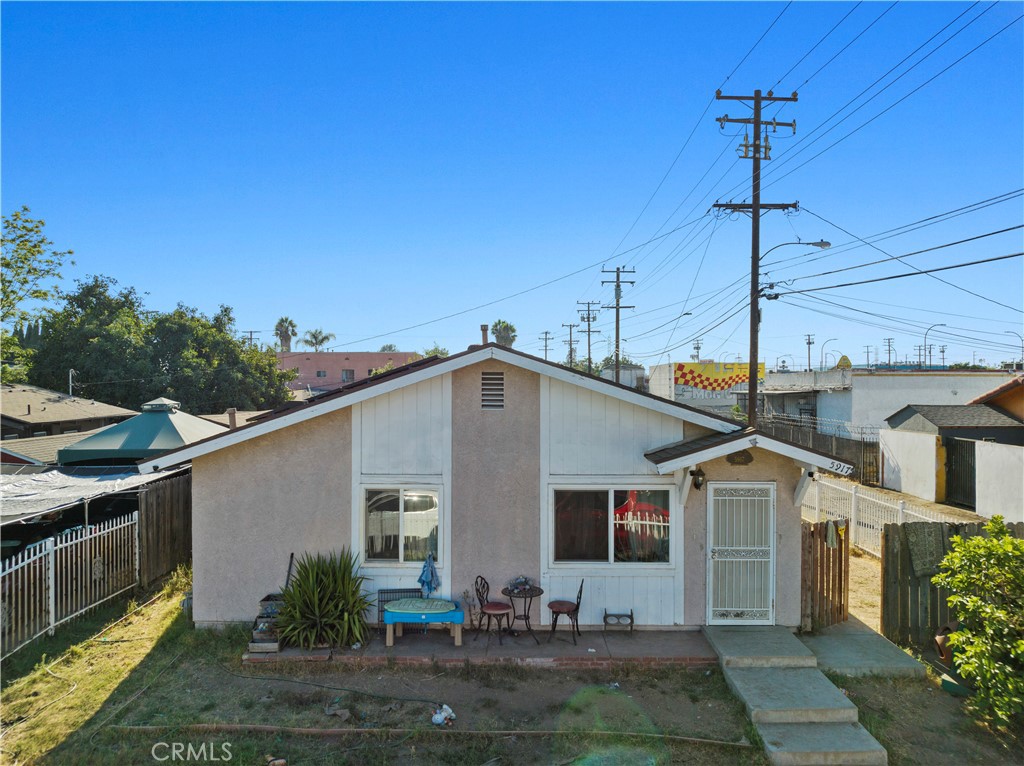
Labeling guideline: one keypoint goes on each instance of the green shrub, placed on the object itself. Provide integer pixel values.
(324, 604)
(984, 577)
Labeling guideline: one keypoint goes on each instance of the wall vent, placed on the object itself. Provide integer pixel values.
(492, 390)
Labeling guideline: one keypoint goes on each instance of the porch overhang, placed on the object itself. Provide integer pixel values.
(673, 457)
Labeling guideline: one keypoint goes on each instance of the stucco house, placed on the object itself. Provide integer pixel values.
(503, 464)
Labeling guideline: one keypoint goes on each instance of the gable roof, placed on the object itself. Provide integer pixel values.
(678, 455)
(23, 403)
(958, 416)
(998, 391)
(426, 369)
(43, 449)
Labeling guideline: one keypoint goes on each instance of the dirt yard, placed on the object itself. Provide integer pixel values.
(865, 588)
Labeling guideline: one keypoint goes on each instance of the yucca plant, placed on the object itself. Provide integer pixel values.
(324, 603)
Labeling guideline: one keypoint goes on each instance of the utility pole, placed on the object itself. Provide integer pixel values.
(920, 356)
(589, 316)
(619, 271)
(251, 333)
(755, 151)
(942, 351)
(810, 342)
(867, 350)
(571, 343)
(889, 349)
(545, 337)
(696, 349)
(928, 353)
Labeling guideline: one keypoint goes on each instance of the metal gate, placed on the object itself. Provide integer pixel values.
(741, 554)
(960, 472)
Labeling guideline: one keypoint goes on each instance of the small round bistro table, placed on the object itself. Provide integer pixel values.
(525, 597)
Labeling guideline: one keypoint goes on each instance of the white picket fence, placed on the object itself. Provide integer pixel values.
(868, 511)
(62, 577)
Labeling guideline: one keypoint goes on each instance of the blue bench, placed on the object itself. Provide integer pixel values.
(423, 611)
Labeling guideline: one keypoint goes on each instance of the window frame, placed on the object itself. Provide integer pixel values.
(403, 488)
(611, 487)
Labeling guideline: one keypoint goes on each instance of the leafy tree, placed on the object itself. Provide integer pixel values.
(573, 362)
(984, 576)
(504, 333)
(381, 370)
(27, 266)
(316, 339)
(15, 359)
(608, 363)
(285, 330)
(436, 350)
(126, 356)
(388, 348)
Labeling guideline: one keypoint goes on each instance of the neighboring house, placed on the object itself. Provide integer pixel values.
(503, 464)
(1009, 397)
(321, 371)
(38, 450)
(159, 428)
(27, 411)
(971, 455)
(632, 375)
(234, 418)
(848, 402)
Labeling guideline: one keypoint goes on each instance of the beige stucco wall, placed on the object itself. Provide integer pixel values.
(495, 481)
(767, 466)
(255, 503)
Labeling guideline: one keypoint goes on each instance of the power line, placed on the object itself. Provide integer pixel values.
(900, 276)
(814, 48)
(938, 279)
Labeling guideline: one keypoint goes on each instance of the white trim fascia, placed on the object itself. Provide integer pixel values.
(802, 485)
(546, 519)
(284, 421)
(446, 483)
(356, 519)
(679, 539)
(764, 442)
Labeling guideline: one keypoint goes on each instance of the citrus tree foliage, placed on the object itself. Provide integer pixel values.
(125, 355)
(29, 267)
(984, 576)
(436, 350)
(504, 333)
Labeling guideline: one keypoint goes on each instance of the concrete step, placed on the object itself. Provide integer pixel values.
(789, 695)
(856, 651)
(803, 744)
(744, 646)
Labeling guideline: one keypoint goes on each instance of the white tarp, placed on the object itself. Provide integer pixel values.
(28, 495)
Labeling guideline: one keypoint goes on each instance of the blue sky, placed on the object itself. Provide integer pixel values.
(367, 168)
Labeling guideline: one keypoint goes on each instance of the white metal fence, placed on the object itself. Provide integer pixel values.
(867, 510)
(64, 576)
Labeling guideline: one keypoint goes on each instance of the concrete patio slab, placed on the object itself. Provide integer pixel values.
(853, 649)
(790, 695)
(802, 744)
(744, 646)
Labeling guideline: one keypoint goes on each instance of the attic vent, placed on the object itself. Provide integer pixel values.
(492, 390)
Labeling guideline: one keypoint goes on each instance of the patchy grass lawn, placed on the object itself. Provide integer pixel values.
(151, 669)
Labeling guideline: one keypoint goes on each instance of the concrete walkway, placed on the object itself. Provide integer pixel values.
(801, 716)
(853, 649)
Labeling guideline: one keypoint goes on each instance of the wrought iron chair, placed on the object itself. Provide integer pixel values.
(497, 610)
(570, 609)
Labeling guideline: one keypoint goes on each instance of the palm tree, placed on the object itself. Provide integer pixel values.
(285, 330)
(504, 333)
(316, 339)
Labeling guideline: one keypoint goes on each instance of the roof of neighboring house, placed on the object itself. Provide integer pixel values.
(960, 416)
(44, 448)
(31, 404)
(995, 393)
(241, 417)
(678, 455)
(424, 369)
(28, 496)
(159, 428)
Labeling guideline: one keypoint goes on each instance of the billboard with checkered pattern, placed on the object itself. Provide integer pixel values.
(714, 376)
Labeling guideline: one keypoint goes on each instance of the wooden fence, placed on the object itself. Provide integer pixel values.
(913, 609)
(165, 526)
(824, 574)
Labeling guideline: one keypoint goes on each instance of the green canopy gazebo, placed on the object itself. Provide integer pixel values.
(159, 428)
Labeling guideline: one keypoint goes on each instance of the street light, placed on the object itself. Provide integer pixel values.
(755, 311)
(822, 365)
(925, 349)
(783, 357)
(1011, 332)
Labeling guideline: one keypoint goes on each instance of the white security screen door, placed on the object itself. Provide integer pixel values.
(741, 554)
